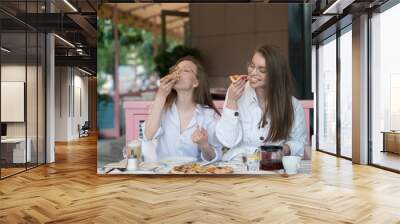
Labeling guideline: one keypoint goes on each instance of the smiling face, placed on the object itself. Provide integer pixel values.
(270, 71)
(187, 71)
(257, 71)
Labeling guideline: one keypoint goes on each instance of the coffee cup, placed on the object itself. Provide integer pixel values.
(291, 164)
(134, 149)
(132, 164)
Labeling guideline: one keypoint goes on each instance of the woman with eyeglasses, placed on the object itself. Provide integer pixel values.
(261, 109)
(183, 116)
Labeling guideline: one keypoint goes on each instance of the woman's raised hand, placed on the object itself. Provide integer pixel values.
(200, 136)
(235, 91)
(166, 85)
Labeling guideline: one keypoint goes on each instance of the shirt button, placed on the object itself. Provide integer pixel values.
(236, 114)
(262, 138)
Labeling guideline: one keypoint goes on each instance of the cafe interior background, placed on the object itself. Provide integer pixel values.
(137, 41)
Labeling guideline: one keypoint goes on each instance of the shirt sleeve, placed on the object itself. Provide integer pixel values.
(158, 133)
(228, 129)
(212, 138)
(298, 135)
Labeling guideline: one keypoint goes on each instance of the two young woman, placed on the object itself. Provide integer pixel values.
(259, 111)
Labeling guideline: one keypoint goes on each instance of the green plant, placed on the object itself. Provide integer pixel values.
(135, 47)
(166, 59)
(105, 46)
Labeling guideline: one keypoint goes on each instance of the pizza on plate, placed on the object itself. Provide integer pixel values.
(193, 168)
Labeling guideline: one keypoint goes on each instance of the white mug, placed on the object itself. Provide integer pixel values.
(132, 164)
(291, 164)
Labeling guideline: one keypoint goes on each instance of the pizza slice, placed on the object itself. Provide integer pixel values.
(235, 77)
(174, 72)
(177, 76)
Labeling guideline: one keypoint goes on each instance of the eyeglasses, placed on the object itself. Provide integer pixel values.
(252, 67)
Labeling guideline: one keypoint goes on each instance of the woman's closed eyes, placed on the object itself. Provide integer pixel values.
(178, 70)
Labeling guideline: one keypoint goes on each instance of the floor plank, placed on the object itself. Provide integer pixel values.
(70, 191)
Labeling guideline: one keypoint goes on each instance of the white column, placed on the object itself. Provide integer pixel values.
(50, 92)
(360, 90)
(314, 91)
(50, 110)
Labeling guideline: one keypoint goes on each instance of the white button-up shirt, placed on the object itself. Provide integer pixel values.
(241, 133)
(171, 142)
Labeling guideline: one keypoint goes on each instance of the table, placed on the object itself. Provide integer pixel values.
(391, 141)
(305, 168)
(17, 149)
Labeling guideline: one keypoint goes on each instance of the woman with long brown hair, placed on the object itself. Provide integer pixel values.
(183, 115)
(260, 108)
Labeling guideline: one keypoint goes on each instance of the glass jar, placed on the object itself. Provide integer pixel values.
(271, 157)
(253, 160)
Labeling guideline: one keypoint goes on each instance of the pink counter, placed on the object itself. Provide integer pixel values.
(137, 111)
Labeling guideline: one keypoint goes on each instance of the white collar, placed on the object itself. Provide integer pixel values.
(195, 120)
(251, 96)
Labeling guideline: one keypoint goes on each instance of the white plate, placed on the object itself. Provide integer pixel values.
(149, 166)
(178, 160)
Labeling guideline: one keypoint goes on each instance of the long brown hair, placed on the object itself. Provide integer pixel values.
(201, 93)
(279, 91)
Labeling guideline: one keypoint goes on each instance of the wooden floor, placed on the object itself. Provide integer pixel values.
(387, 159)
(10, 171)
(70, 191)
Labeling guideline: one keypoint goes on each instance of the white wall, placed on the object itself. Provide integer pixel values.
(70, 84)
(80, 89)
(12, 73)
(33, 127)
(61, 103)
